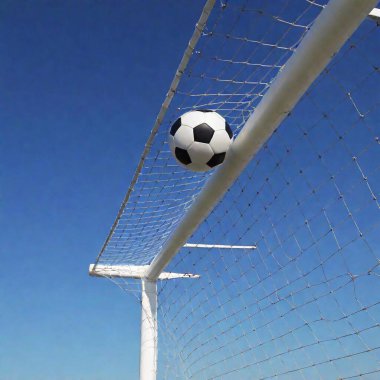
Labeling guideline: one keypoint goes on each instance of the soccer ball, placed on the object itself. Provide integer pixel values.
(200, 139)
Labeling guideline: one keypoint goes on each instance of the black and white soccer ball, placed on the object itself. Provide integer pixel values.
(199, 140)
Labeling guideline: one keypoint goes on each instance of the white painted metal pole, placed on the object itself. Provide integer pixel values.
(148, 348)
(335, 24)
(219, 246)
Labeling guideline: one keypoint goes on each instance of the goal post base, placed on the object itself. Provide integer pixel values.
(132, 271)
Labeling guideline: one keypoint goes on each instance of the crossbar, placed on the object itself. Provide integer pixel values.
(335, 24)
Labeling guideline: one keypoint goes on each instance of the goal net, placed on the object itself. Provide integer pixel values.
(305, 303)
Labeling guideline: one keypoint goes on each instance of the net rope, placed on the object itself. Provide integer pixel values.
(228, 72)
(305, 304)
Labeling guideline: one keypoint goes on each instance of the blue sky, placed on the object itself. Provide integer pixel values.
(81, 85)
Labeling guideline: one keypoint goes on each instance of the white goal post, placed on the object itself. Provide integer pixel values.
(330, 30)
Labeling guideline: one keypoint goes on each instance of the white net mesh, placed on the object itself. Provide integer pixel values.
(228, 72)
(305, 304)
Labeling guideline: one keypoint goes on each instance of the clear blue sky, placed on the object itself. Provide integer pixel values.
(81, 84)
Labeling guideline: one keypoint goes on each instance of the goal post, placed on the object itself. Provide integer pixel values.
(149, 334)
(258, 237)
(331, 29)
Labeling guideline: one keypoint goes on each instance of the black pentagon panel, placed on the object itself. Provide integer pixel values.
(205, 111)
(228, 130)
(175, 126)
(216, 159)
(182, 156)
(203, 133)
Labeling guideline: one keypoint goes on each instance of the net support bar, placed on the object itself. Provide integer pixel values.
(219, 246)
(132, 271)
(335, 24)
(148, 345)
